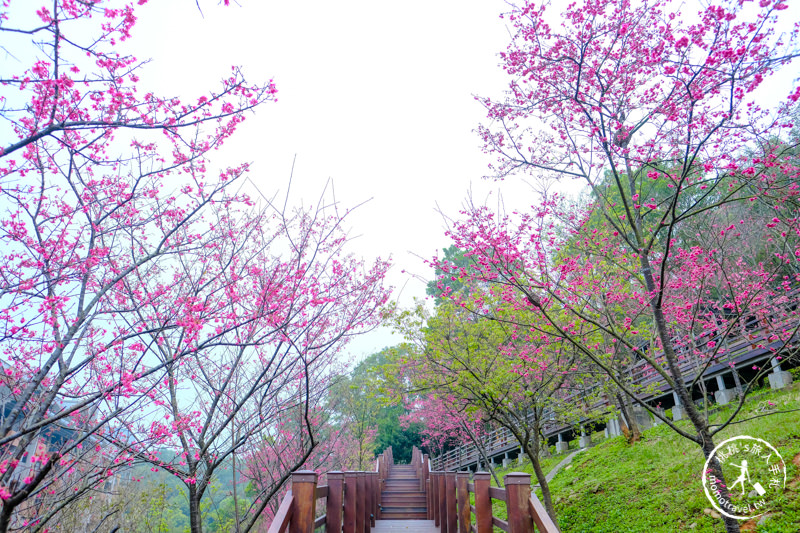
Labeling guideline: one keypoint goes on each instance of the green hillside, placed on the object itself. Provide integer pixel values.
(654, 485)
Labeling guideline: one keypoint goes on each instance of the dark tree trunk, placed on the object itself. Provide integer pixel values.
(698, 421)
(195, 519)
(5, 519)
(532, 450)
(530, 443)
(629, 426)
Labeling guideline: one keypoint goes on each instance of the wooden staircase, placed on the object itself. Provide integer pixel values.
(393, 499)
(401, 497)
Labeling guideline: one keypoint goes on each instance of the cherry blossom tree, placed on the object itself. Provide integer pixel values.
(660, 116)
(313, 298)
(448, 421)
(470, 368)
(357, 408)
(147, 302)
(311, 440)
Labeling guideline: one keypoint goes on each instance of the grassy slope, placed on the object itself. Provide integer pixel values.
(654, 485)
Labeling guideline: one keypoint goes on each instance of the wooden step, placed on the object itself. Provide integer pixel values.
(403, 495)
(389, 502)
(402, 498)
(405, 516)
(403, 512)
(403, 526)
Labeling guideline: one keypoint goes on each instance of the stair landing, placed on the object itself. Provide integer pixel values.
(404, 526)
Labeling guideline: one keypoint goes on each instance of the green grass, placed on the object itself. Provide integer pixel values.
(654, 485)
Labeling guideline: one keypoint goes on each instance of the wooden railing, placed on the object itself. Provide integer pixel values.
(448, 501)
(352, 501)
(450, 509)
(741, 346)
(421, 465)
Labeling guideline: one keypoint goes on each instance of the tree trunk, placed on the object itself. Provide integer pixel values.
(235, 495)
(479, 445)
(195, 520)
(731, 524)
(698, 421)
(630, 428)
(532, 450)
(5, 518)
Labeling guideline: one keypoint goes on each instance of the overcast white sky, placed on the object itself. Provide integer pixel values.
(377, 96)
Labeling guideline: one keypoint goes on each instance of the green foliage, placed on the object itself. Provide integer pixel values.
(392, 433)
(164, 509)
(455, 257)
(367, 400)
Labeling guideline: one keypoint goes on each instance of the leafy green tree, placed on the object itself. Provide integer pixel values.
(442, 284)
(372, 412)
(512, 380)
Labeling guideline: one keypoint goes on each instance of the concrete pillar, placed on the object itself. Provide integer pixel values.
(544, 450)
(642, 417)
(586, 440)
(612, 426)
(561, 446)
(723, 396)
(506, 460)
(678, 412)
(778, 378)
(656, 420)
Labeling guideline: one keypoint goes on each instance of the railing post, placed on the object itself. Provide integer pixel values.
(435, 502)
(464, 512)
(304, 491)
(369, 496)
(360, 503)
(442, 502)
(333, 509)
(518, 492)
(425, 471)
(450, 488)
(429, 498)
(350, 498)
(483, 503)
(372, 478)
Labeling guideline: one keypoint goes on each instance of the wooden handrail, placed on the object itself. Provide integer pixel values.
(452, 513)
(283, 516)
(352, 502)
(540, 516)
(502, 524)
(351, 506)
(497, 494)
